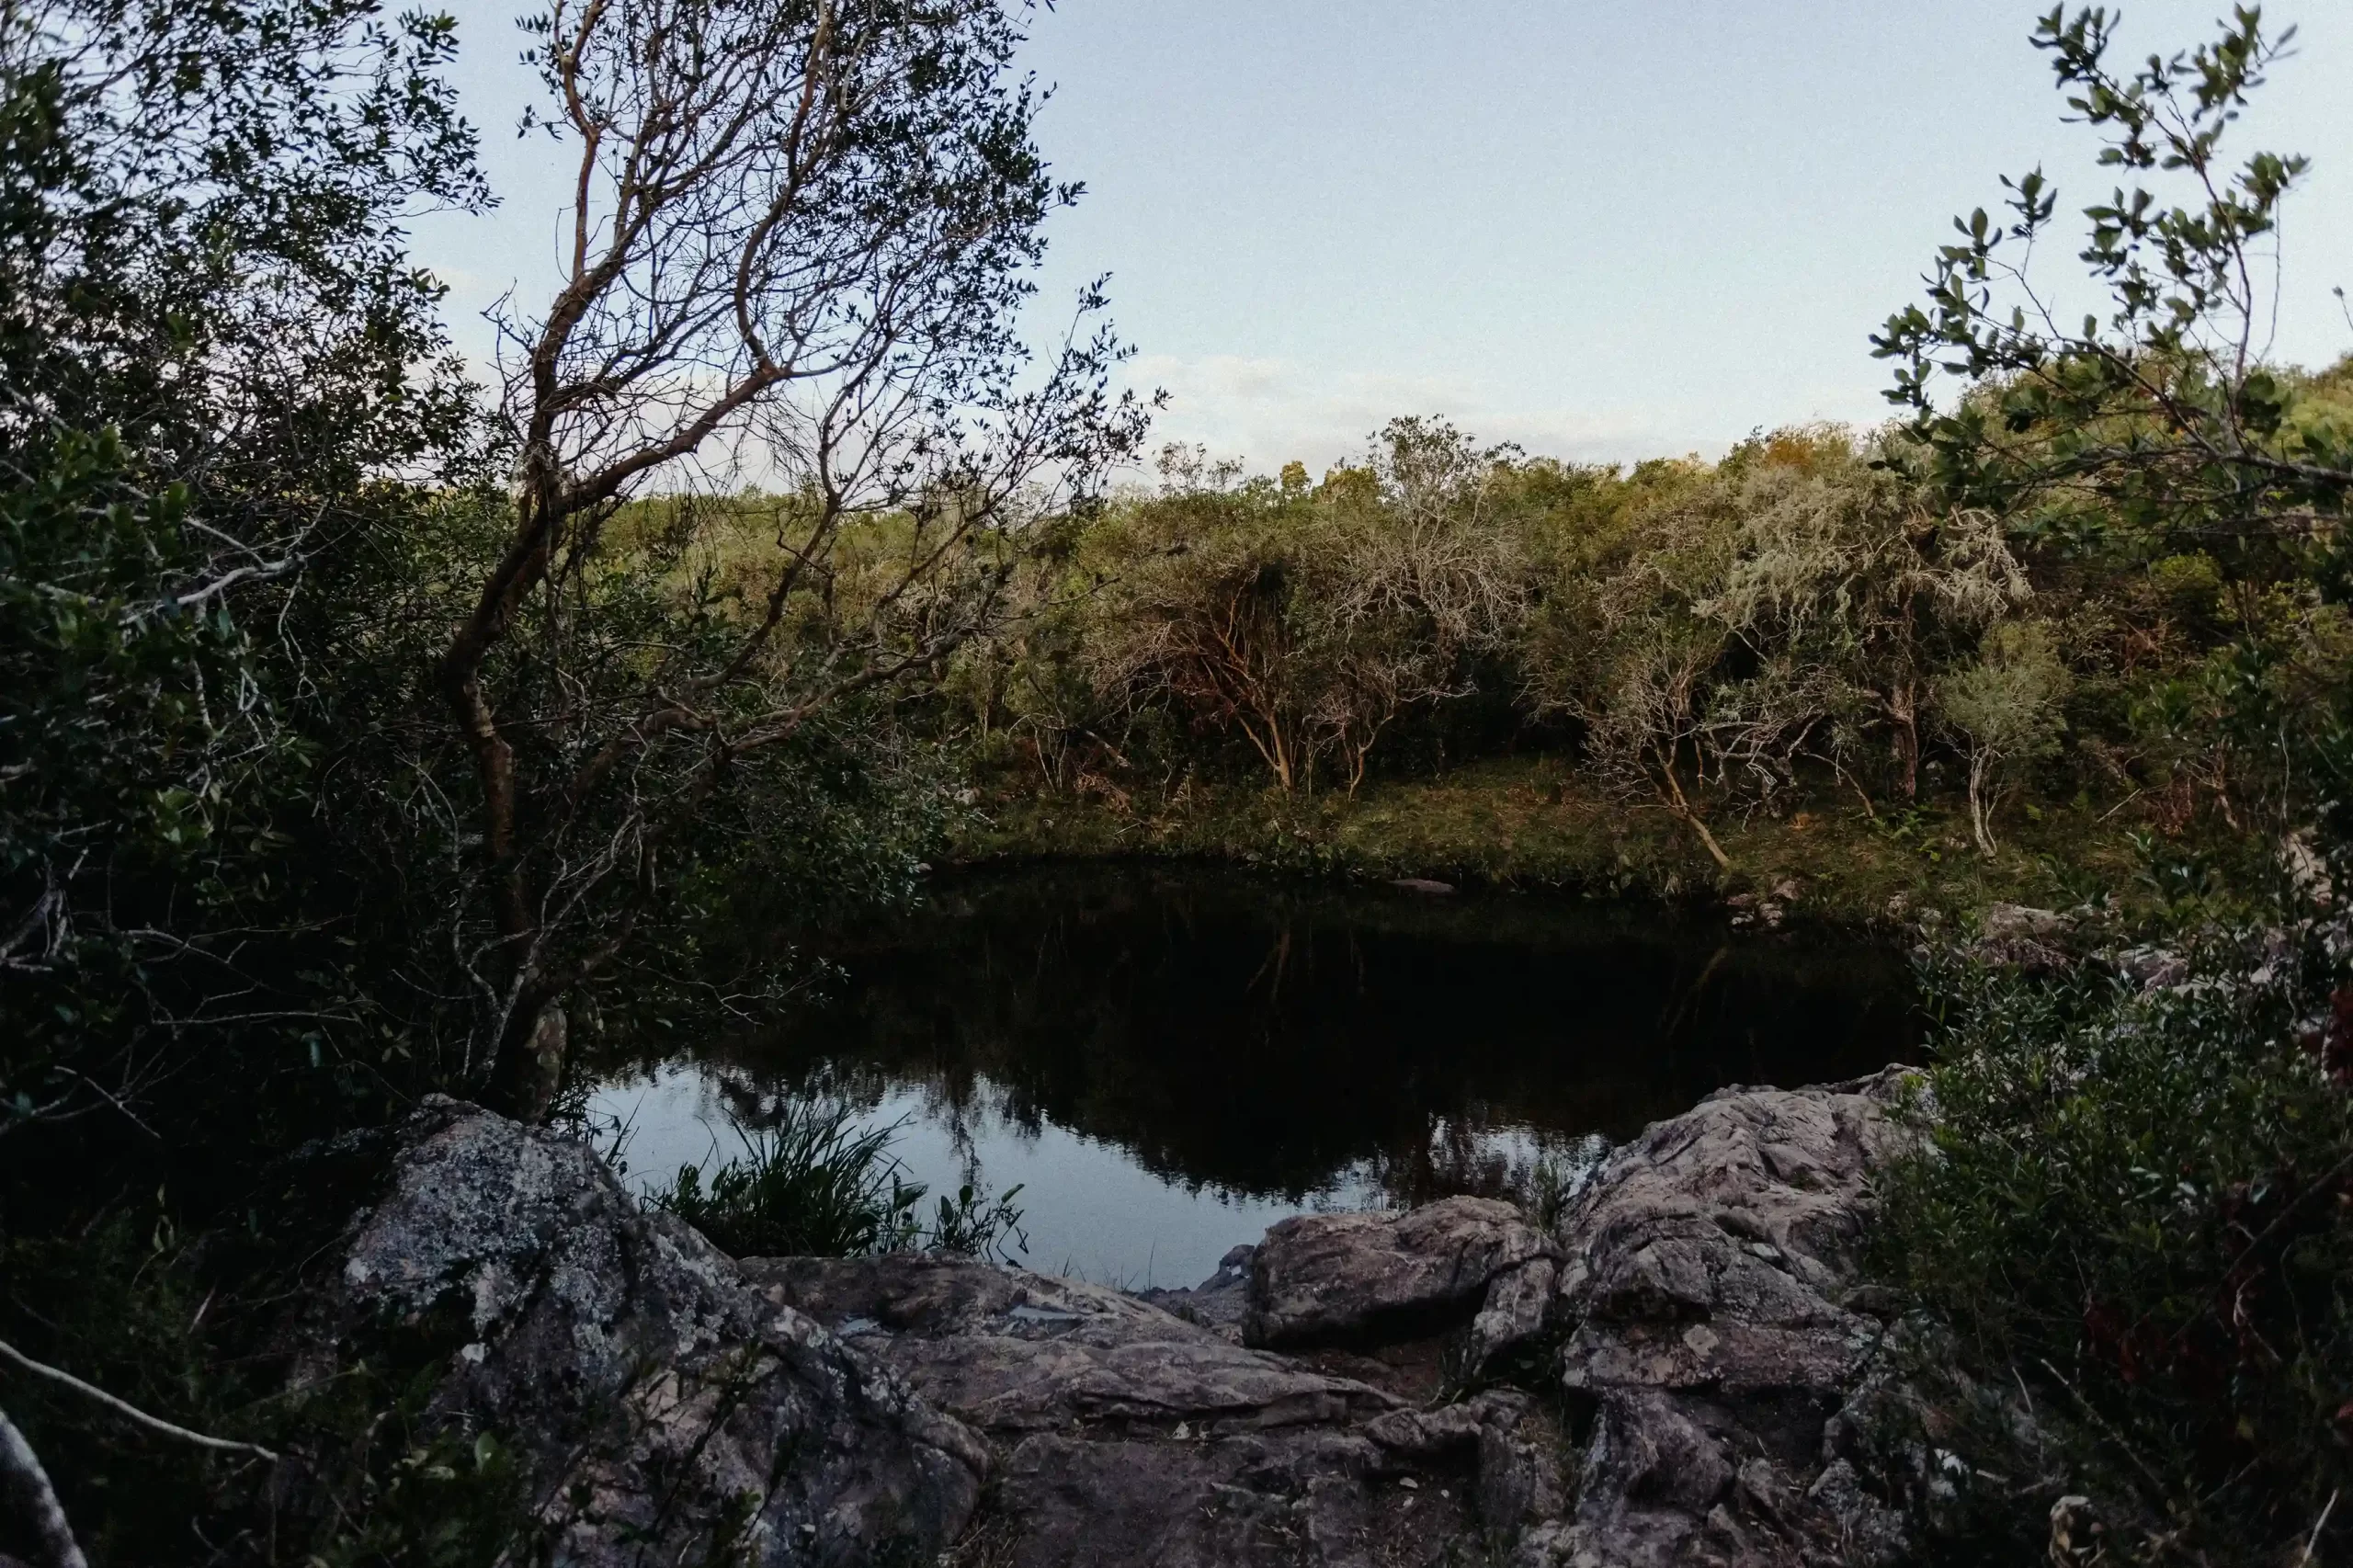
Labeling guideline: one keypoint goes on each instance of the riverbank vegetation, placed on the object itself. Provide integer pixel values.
(2125, 1224)
(1812, 634)
(358, 739)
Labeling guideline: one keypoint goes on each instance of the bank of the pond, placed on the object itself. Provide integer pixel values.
(1531, 822)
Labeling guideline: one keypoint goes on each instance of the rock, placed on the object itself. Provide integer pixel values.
(1721, 1362)
(1216, 1303)
(2307, 869)
(1709, 1353)
(2025, 937)
(2076, 1532)
(1513, 1316)
(1868, 1530)
(1330, 1278)
(651, 1387)
(2153, 968)
(1012, 1351)
(1131, 1436)
(1421, 884)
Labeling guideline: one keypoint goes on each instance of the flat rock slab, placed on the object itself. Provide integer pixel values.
(649, 1384)
(1327, 1279)
(1129, 1436)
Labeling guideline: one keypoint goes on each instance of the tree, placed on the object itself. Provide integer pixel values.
(223, 390)
(1310, 620)
(1195, 610)
(2164, 418)
(2005, 708)
(219, 367)
(2159, 429)
(1423, 581)
(1620, 644)
(1846, 585)
(800, 234)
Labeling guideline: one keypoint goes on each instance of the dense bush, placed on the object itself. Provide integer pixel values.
(1808, 623)
(258, 888)
(2133, 1211)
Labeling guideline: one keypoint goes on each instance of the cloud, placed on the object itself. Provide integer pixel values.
(1269, 410)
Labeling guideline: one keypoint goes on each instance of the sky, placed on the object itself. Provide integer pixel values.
(1604, 232)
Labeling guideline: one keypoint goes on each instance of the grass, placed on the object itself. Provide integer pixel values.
(1532, 821)
(817, 1184)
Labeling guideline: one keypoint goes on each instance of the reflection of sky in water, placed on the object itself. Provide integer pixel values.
(1089, 1208)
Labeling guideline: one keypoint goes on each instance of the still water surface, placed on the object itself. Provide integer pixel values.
(1170, 1059)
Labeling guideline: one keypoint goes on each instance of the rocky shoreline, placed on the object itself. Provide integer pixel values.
(1671, 1375)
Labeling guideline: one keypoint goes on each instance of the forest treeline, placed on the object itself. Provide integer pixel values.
(1806, 621)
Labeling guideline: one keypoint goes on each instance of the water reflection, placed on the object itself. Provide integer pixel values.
(1171, 1057)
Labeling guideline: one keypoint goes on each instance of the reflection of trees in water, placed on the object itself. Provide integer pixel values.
(1242, 1035)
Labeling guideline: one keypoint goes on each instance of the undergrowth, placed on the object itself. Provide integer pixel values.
(2130, 1221)
(1529, 822)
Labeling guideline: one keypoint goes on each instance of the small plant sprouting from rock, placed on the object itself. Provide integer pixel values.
(819, 1184)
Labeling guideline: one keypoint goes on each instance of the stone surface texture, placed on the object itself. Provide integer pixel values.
(1127, 1435)
(1676, 1375)
(672, 1410)
(1327, 1278)
(1713, 1334)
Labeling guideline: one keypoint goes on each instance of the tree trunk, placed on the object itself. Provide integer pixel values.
(529, 1068)
(36, 1499)
(1980, 765)
(1680, 807)
(1904, 713)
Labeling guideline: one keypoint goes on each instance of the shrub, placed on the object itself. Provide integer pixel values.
(2134, 1210)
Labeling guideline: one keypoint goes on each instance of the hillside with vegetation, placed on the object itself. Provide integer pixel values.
(367, 734)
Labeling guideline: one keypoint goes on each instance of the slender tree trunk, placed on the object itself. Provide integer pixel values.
(1980, 766)
(1903, 711)
(1680, 806)
(28, 1486)
(529, 1068)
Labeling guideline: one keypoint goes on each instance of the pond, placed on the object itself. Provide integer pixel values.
(1167, 1059)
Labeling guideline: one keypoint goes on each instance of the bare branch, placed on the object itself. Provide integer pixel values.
(128, 1411)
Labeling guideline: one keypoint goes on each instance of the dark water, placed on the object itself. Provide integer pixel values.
(1168, 1058)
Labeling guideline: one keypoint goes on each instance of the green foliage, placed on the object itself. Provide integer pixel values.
(246, 491)
(1303, 620)
(214, 352)
(2005, 704)
(168, 1322)
(2163, 418)
(815, 1182)
(2134, 1210)
(1801, 626)
(2130, 1221)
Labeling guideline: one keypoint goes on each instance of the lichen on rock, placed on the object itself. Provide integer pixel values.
(668, 1408)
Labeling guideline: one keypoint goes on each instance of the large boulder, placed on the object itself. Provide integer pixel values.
(1338, 1279)
(1697, 1308)
(1127, 1435)
(667, 1408)
(1714, 1332)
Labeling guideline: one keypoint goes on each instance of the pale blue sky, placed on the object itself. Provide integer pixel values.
(1603, 231)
